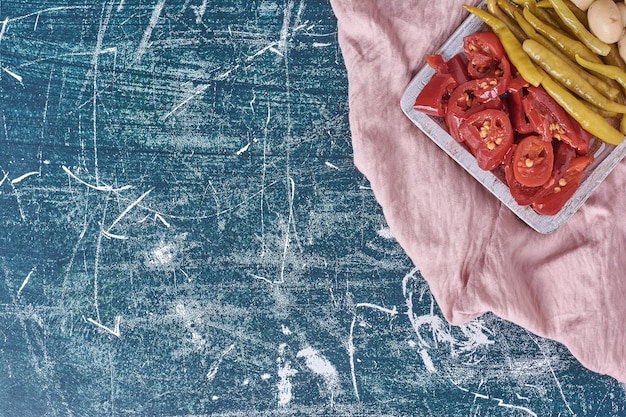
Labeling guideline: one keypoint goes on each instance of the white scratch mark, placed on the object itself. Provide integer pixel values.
(109, 50)
(160, 218)
(263, 175)
(19, 78)
(352, 349)
(3, 30)
(163, 254)
(48, 10)
(45, 116)
(96, 264)
(185, 274)
(276, 51)
(284, 384)
(292, 193)
(216, 364)
(259, 277)
(385, 233)
(199, 90)
(106, 188)
(156, 217)
(500, 401)
(23, 177)
(331, 165)
(6, 175)
(261, 51)
(127, 209)
(473, 332)
(109, 235)
(321, 366)
(252, 101)
(94, 71)
(391, 312)
(556, 380)
(286, 331)
(120, 6)
(223, 75)
(26, 281)
(284, 31)
(320, 44)
(242, 150)
(116, 326)
(145, 40)
(428, 362)
(18, 199)
(199, 11)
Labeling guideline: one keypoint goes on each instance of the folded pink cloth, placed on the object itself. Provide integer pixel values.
(477, 256)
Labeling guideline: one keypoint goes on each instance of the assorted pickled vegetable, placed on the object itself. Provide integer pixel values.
(526, 96)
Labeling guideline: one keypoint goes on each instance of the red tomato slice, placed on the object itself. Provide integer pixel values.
(522, 194)
(549, 119)
(455, 66)
(561, 187)
(433, 99)
(436, 62)
(486, 58)
(467, 99)
(489, 135)
(533, 161)
(563, 157)
(517, 90)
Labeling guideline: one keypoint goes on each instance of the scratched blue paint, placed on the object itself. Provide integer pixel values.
(192, 237)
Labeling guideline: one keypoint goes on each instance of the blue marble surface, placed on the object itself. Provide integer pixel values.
(183, 232)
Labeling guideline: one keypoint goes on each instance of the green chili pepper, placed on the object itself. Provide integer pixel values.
(571, 47)
(614, 58)
(604, 113)
(509, 8)
(602, 86)
(569, 19)
(494, 9)
(580, 14)
(622, 122)
(542, 14)
(528, 29)
(591, 121)
(512, 46)
(569, 76)
(610, 71)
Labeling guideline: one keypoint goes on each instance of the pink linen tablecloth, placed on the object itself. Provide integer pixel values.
(477, 256)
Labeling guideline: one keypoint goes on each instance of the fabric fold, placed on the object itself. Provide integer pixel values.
(476, 255)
